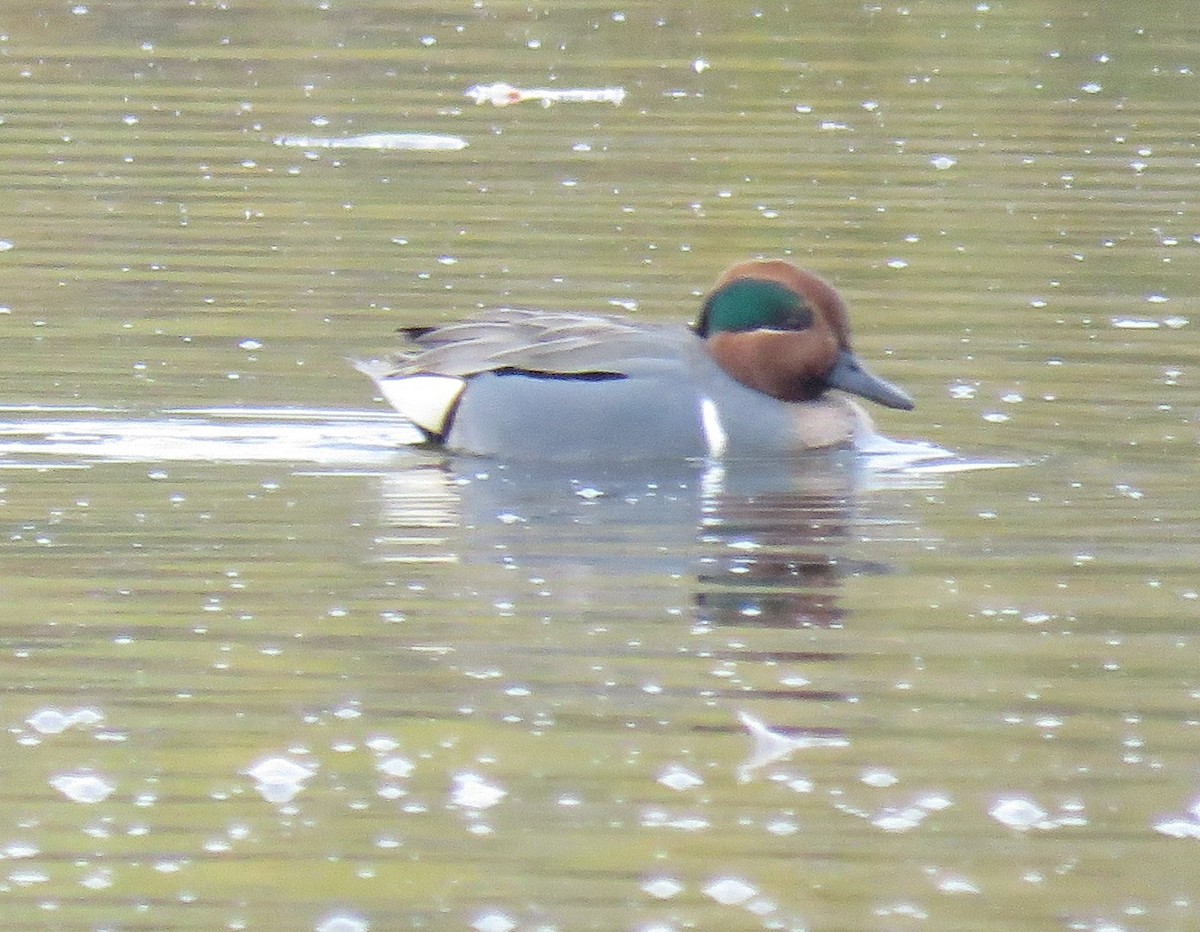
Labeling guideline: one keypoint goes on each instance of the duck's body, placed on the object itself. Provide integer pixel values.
(750, 379)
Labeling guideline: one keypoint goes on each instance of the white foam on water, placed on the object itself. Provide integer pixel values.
(72, 435)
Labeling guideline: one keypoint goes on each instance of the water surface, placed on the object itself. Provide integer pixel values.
(266, 667)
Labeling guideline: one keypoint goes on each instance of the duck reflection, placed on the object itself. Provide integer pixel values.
(755, 544)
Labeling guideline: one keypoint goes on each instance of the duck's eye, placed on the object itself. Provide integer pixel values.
(798, 317)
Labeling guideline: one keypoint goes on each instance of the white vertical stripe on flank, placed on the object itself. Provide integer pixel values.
(714, 434)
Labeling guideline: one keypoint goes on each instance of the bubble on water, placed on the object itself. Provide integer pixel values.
(82, 787)
(493, 922)
(662, 888)
(879, 778)
(279, 779)
(100, 880)
(730, 891)
(396, 767)
(955, 884)
(1018, 812)
(19, 849)
(54, 721)
(472, 791)
(342, 922)
(27, 878)
(1178, 828)
(679, 778)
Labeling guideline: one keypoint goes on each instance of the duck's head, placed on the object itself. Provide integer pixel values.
(784, 332)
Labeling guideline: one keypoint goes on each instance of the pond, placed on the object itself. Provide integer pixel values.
(266, 665)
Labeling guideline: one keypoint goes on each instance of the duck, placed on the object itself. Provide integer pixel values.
(766, 370)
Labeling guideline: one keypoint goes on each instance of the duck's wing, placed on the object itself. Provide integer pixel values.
(545, 343)
(425, 385)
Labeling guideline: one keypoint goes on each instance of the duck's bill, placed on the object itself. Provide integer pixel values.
(851, 376)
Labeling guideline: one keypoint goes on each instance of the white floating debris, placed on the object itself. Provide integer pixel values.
(679, 778)
(504, 95)
(730, 891)
(1134, 323)
(942, 162)
(771, 746)
(420, 142)
(879, 778)
(473, 792)
(83, 787)
(279, 779)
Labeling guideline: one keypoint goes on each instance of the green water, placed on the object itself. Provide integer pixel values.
(516, 701)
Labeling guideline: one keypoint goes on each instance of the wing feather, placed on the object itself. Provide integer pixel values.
(554, 343)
